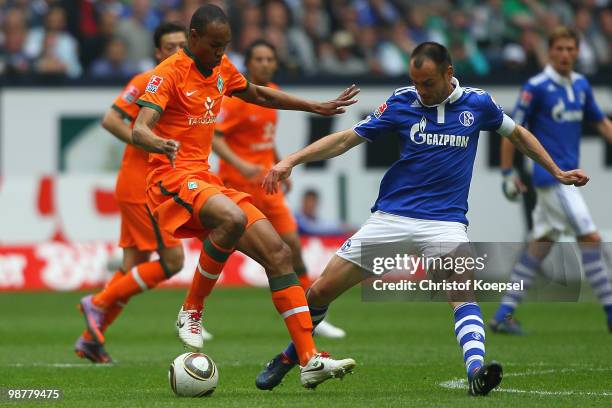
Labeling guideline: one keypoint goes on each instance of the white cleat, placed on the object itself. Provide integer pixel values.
(326, 329)
(206, 335)
(189, 328)
(321, 368)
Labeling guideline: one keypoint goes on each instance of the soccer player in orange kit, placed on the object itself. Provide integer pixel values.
(176, 124)
(244, 140)
(140, 235)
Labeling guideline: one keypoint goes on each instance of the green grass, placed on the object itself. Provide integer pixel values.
(403, 351)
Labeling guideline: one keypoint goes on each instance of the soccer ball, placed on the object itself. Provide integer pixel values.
(193, 375)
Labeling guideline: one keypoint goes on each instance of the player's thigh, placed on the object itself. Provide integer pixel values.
(216, 209)
(338, 276)
(292, 239)
(276, 210)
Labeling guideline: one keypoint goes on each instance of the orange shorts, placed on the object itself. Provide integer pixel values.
(273, 206)
(139, 229)
(177, 197)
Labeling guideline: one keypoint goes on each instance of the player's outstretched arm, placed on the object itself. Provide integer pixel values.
(143, 136)
(273, 98)
(527, 143)
(604, 127)
(114, 123)
(222, 149)
(325, 148)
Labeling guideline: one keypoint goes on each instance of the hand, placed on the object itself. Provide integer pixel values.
(170, 148)
(512, 186)
(286, 185)
(251, 171)
(280, 171)
(337, 105)
(573, 177)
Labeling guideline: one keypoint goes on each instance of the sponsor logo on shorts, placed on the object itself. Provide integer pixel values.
(192, 185)
(154, 83)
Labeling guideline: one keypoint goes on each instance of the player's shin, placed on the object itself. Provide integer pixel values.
(524, 272)
(317, 315)
(596, 274)
(290, 302)
(469, 330)
(210, 265)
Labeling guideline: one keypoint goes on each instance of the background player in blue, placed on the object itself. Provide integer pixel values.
(553, 105)
(423, 196)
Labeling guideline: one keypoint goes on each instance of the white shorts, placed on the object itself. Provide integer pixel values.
(417, 237)
(561, 209)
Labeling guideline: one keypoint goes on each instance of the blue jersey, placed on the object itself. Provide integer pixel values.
(431, 180)
(553, 107)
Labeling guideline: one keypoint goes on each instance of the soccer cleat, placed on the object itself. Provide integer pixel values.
(274, 372)
(507, 326)
(189, 328)
(206, 335)
(326, 329)
(92, 351)
(321, 368)
(94, 318)
(485, 378)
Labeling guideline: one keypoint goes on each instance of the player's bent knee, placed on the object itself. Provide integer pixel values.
(174, 264)
(235, 221)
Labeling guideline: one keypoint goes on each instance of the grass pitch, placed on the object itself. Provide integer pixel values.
(406, 354)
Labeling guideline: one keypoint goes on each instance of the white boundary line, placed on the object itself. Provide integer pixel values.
(461, 383)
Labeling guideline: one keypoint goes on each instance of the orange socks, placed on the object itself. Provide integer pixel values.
(302, 276)
(142, 277)
(290, 302)
(211, 263)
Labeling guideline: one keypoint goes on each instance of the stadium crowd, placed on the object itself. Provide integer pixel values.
(111, 38)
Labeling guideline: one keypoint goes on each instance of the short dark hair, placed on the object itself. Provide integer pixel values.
(563, 32)
(248, 53)
(311, 192)
(205, 15)
(166, 28)
(433, 51)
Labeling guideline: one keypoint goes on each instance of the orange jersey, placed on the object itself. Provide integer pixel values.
(131, 184)
(189, 100)
(249, 131)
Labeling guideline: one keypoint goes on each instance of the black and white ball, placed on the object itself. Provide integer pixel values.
(193, 375)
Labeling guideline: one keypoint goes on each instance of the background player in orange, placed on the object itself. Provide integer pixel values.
(176, 123)
(140, 235)
(244, 140)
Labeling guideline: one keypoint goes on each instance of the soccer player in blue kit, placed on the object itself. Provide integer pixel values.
(423, 196)
(553, 106)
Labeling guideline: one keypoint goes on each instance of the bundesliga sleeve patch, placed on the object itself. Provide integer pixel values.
(379, 111)
(130, 94)
(154, 83)
(526, 97)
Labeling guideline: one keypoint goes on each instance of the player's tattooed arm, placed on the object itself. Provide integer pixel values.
(325, 148)
(114, 123)
(144, 137)
(273, 98)
(527, 143)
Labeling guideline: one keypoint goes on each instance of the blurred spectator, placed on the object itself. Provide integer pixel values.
(605, 22)
(136, 35)
(338, 58)
(13, 59)
(93, 47)
(593, 47)
(467, 57)
(309, 222)
(114, 62)
(55, 49)
(376, 12)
